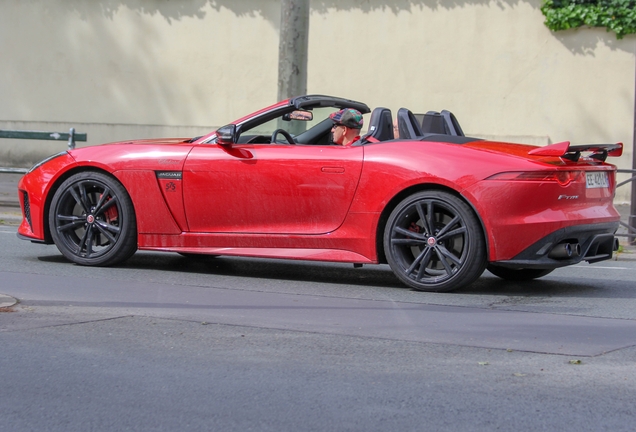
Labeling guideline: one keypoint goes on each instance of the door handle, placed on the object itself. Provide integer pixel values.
(333, 170)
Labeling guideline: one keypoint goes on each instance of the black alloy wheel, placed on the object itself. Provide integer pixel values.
(517, 274)
(434, 242)
(92, 220)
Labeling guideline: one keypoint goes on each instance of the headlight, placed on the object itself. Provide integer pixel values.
(43, 161)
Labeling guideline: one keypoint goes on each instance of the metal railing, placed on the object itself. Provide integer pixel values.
(631, 220)
(71, 137)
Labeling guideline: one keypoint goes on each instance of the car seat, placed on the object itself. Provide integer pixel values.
(380, 126)
(408, 125)
(444, 123)
(433, 123)
(451, 123)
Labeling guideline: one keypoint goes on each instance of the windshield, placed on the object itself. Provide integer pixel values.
(294, 127)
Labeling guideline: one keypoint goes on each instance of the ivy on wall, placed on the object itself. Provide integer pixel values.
(618, 16)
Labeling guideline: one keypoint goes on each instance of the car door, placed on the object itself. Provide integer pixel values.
(270, 188)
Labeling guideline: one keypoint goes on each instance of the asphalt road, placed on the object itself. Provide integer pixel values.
(168, 343)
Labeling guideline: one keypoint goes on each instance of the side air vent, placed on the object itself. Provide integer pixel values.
(27, 208)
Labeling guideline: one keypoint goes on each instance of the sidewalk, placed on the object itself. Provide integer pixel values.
(627, 252)
(9, 189)
(10, 213)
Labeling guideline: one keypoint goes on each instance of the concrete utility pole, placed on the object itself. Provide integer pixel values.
(292, 52)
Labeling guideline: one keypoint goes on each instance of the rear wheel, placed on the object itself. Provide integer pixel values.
(92, 220)
(434, 242)
(517, 274)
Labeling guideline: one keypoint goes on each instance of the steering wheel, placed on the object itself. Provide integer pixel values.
(284, 133)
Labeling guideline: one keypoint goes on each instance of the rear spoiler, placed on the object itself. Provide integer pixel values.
(565, 150)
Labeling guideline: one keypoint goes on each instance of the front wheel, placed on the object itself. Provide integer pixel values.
(434, 242)
(92, 220)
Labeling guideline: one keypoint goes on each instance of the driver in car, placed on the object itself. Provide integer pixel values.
(346, 126)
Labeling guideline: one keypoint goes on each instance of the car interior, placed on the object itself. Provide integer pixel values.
(279, 129)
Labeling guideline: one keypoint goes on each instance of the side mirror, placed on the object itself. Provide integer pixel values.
(299, 115)
(226, 135)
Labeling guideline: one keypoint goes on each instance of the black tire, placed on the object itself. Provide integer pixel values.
(92, 220)
(517, 274)
(434, 242)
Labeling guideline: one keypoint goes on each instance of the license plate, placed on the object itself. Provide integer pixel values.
(597, 179)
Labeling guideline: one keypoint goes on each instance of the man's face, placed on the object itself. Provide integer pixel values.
(338, 133)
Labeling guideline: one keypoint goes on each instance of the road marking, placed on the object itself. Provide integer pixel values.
(600, 267)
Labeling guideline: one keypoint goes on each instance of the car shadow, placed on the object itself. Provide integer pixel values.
(490, 284)
(379, 276)
(258, 268)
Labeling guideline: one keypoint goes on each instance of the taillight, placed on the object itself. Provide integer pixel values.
(563, 178)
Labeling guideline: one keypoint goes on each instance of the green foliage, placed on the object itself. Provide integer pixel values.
(618, 16)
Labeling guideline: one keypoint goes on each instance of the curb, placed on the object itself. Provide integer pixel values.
(10, 216)
(626, 255)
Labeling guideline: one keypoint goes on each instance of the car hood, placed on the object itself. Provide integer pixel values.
(144, 154)
(154, 141)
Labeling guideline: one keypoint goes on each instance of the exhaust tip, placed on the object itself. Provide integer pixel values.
(561, 251)
(565, 251)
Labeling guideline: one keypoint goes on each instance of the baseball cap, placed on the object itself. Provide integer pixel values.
(348, 117)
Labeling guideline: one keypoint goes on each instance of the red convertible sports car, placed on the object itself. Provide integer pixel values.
(437, 206)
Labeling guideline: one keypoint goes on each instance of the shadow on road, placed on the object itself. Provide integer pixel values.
(379, 276)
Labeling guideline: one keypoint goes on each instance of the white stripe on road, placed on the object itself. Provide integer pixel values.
(599, 267)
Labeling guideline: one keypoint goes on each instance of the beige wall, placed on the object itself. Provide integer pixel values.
(114, 68)
(125, 62)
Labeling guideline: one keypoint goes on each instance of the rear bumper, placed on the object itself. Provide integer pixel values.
(596, 243)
